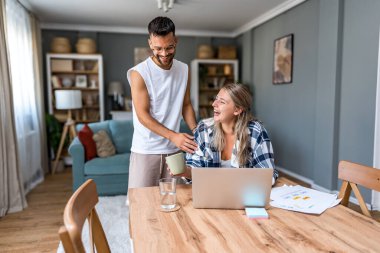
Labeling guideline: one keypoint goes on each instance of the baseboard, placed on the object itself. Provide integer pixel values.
(318, 187)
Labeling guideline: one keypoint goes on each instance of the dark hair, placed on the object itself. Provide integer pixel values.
(161, 26)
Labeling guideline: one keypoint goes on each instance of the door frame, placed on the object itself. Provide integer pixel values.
(376, 149)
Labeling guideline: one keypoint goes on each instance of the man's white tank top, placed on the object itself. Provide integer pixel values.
(166, 90)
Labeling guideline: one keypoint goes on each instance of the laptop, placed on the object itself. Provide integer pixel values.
(231, 188)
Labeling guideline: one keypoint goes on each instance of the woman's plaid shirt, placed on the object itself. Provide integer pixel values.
(260, 150)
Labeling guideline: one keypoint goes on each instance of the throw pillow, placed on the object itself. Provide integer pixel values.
(85, 137)
(104, 146)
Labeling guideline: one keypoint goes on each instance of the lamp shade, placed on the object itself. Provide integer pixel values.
(115, 88)
(68, 99)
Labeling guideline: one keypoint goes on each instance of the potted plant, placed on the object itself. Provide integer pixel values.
(54, 132)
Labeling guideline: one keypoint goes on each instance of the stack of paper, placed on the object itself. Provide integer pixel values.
(301, 199)
(256, 213)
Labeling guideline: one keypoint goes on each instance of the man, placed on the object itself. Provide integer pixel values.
(160, 89)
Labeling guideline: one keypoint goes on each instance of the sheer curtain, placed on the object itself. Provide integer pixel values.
(12, 196)
(23, 78)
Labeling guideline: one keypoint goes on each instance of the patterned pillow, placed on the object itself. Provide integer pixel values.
(104, 146)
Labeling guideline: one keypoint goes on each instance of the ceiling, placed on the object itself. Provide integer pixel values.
(221, 18)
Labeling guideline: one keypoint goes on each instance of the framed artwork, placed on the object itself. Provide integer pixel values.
(141, 53)
(283, 60)
(81, 81)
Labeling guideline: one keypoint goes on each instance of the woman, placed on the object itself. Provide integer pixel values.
(232, 138)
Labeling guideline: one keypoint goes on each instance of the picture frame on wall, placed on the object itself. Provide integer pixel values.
(141, 53)
(283, 60)
(81, 81)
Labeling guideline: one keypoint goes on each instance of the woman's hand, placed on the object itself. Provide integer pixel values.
(186, 174)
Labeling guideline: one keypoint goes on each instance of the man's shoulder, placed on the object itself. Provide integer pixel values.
(139, 66)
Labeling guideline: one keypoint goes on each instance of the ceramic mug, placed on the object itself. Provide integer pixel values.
(176, 163)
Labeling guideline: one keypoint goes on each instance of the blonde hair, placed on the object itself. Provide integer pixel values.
(242, 99)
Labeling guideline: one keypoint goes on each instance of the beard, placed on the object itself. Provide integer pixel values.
(169, 60)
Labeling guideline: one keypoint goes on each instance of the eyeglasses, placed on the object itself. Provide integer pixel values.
(169, 49)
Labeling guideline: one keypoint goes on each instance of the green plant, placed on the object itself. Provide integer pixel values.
(54, 132)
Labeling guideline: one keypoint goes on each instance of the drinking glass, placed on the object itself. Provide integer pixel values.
(168, 193)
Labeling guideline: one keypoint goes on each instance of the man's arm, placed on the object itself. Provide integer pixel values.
(140, 98)
(187, 108)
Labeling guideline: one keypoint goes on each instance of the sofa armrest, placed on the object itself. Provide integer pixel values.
(76, 151)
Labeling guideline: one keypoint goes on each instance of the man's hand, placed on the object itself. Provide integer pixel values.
(185, 142)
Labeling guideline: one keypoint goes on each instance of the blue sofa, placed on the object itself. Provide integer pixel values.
(111, 173)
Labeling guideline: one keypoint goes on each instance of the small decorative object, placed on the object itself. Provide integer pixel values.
(93, 84)
(67, 82)
(56, 82)
(141, 53)
(211, 70)
(60, 45)
(88, 100)
(227, 52)
(227, 69)
(81, 81)
(205, 52)
(128, 104)
(79, 65)
(115, 89)
(283, 60)
(86, 46)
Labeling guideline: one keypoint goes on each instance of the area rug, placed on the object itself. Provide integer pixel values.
(113, 214)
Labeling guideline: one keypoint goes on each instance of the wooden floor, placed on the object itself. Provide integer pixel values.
(35, 229)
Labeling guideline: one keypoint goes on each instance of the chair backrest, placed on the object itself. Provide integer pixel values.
(81, 206)
(353, 174)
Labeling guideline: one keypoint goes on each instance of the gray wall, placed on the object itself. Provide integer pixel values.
(288, 110)
(359, 77)
(327, 113)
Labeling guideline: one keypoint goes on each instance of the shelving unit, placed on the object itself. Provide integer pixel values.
(207, 77)
(82, 72)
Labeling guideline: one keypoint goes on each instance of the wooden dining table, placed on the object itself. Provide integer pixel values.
(338, 229)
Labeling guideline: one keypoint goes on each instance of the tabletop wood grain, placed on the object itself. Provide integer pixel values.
(338, 229)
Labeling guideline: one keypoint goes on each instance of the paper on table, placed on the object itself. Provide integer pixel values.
(300, 199)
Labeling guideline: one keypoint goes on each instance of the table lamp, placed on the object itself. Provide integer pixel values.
(67, 100)
(116, 90)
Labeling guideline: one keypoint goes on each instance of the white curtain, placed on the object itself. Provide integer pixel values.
(12, 198)
(28, 128)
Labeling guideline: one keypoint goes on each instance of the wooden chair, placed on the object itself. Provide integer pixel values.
(81, 206)
(353, 174)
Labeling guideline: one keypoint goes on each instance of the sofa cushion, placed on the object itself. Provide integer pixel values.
(104, 146)
(85, 137)
(117, 164)
(122, 133)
